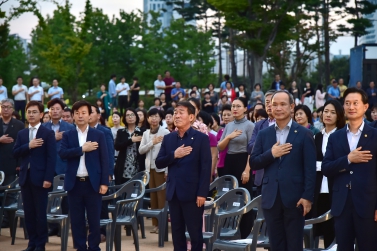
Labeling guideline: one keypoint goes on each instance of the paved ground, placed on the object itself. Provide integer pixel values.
(148, 244)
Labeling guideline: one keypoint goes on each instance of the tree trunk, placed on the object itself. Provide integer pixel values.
(326, 30)
(244, 65)
(220, 53)
(231, 56)
(257, 62)
(250, 69)
(319, 52)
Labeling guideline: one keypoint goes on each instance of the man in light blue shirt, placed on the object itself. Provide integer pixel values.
(223, 84)
(159, 86)
(55, 91)
(334, 91)
(112, 90)
(176, 91)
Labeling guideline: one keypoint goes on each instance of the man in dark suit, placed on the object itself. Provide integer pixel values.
(260, 125)
(87, 176)
(56, 108)
(286, 151)
(187, 155)
(36, 147)
(58, 126)
(276, 84)
(351, 162)
(9, 128)
(93, 123)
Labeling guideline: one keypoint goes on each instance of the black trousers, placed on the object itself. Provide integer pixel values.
(235, 165)
(122, 103)
(134, 102)
(285, 226)
(19, 105)
(186, 214)
(350, 226)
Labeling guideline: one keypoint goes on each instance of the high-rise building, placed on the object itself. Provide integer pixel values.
(167, 12)
(370, 38)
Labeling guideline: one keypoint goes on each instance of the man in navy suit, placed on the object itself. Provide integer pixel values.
(351, 162)
(260, 125)
(56, 108)
(36, 147)
(286, 151)
(93, 123)
(58, 126)
(187, 155)
(87, 176)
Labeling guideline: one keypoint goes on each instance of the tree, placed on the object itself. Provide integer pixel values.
(260, 23)
(358, 23)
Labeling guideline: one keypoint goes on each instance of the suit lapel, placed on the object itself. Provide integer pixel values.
(344, 140)
(363, 141)
(10, 126)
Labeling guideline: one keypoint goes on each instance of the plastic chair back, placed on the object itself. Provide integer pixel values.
(143, 176)
(223, 184)
(127, 208)
(58, 183)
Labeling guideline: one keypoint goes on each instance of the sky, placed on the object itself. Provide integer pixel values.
(25, 23)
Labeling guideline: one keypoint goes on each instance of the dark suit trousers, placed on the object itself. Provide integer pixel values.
(80, 199)
(35, 206)
(122, 103)
(349, 225)
(182, 214)
(285, 226)
(19, 105)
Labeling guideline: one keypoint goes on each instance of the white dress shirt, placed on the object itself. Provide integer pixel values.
(4, 94)
(37, 96)
(353, 139)
(324, 184)
(21, 96)
(35, 129)
(82, 171)
(120, 86)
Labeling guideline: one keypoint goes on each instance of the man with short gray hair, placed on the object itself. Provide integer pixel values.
(9, 128)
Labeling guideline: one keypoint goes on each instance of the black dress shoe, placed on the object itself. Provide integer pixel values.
(52, 232)
(29, 249)
(40, 249)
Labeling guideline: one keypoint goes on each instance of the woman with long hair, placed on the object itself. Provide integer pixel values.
(116, 119)
(143, 122)
(333, 119)
(320, 96)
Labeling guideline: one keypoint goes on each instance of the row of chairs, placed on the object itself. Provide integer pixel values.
(126, 204)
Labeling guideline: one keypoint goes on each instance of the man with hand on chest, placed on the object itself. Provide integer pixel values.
(36, 147)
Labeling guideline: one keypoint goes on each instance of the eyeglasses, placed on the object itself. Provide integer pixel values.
(130, 115)
(6, 107)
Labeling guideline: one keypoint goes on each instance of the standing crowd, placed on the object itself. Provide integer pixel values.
(304, 151)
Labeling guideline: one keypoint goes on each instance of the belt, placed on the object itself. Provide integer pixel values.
(85, 178)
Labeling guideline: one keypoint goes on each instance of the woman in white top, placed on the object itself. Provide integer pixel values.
(150, 145)
(333, 119)
(116, 121)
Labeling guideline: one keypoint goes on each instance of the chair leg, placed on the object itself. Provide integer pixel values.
(142, 228)
(109, 237)
(63, 235)
(14, 227)
(117, 239)
(166, 229)
(161, 231)
(128, 230)
(135, 235)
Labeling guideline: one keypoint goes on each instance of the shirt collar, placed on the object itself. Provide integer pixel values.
(79, 131)
(187, 133)
(35, 127)
(60, 120)
(96, 126)
(360, 130)
(271, 120)
(287, 126)
(330, 132)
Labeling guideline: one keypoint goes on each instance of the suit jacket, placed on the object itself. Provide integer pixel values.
(122, 141)
(61, 165)
(110, 146)
(373, 124)
(42, 159)
(293, 174)
(189, 176)
(273, 85)
(260, 125)
(7, 160)
(363, 176)
(96, 161)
